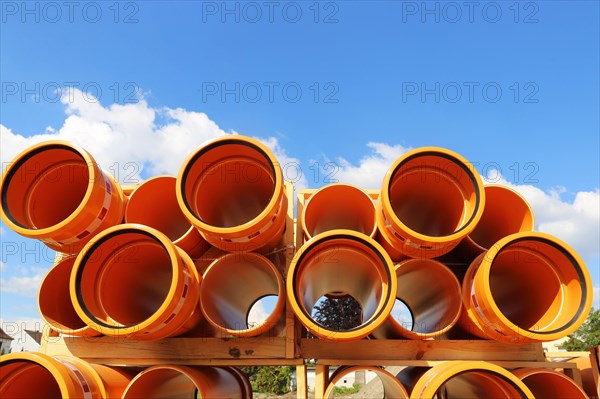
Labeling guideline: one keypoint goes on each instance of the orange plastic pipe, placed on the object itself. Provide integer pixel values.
(232, 284)
(467, 379)
(392, 388)
(528, 287)
(339, 206)
(506, 212)
(55, 192)
(432, 293)
(232, 190)
(431, 198)
(550, 384)
(347, 262)
(132, 281)
(35, 375)
(54, 301)
(154, 203)
(183, 382)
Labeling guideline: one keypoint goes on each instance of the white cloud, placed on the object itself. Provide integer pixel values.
(125, 139)
(257, 314)
(596, 301)
(368, 174)
(577, 223)
(23, 285)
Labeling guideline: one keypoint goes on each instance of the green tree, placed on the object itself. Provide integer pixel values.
(338, 314)
(586, 336)
(272, 379)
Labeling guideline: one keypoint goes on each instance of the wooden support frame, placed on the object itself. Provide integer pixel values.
(286, 344)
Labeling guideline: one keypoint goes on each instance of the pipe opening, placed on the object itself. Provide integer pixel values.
(431, 293)
(478, 384)
(54, 298)
(242, 293)
(26, 379)
(155, 204)
(536, 285)
(433, 195)
(403, 315)
(505, 213)
(45, 187)
(229, 184)
(335, 264)
(550, 384)
(382, 383)
(261, 309)
(162, 383)
(339, 206)
(128, 268)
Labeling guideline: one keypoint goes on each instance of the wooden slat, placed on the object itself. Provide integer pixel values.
(321, 380)
(172, 350)
(419, 350)
(301, 382)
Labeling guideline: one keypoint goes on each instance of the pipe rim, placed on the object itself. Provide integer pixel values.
(79, 266)
(58, 368)
(358, 190)
(438, 375)
(383, 308)
(94, 173)
(457, 159)
(270, 208)
(159, 177)
(575, 260)
(272, 318)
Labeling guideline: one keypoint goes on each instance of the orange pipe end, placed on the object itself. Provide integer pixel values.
(186, 382)
(506, 212)
(339, 206)
(432, 294)
(469, 379)
(35, 375)
(550, 384)
(55, 192)
(431, 198)
(54, 301)
(154, 203)
(232, 190)
(132, 281)
(347, 262)
(392, 388)
(232, 285)
(528, 287)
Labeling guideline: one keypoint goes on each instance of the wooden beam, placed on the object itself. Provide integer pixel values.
(376, 350)
(301, 382)
(321, 380)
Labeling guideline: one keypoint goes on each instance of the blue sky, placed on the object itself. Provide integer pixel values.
(512, 86)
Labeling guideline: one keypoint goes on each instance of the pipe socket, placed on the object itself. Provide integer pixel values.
(464, 379)
(131, 281)
(231, 189)
(55, 192)
(431, 198)
(54, 301)
(35, 375)
(232, 285)
(528, 287)
(183, 382)
(342, 262)
(154, 203)
(339, 206)
(392, 388)
(432, 294)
